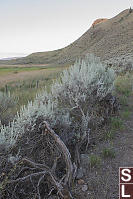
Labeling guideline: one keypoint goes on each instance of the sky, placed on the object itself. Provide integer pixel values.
(28, 26)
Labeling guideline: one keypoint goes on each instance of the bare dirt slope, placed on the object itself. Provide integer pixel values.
(109, 39)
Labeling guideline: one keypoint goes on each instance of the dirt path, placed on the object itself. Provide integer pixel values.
(127, 159)
(103, 182)
(124, 140)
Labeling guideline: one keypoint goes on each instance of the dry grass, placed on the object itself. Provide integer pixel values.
(14, 74)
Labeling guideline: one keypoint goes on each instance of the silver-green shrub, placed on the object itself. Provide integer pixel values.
(80, 90)
(71, 102)
(6, 104)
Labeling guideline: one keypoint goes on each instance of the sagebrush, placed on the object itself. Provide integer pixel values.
(6, 104)
(74, 102)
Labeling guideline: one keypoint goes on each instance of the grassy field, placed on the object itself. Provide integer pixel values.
(20, 73)
(9, 70)
(24, 83)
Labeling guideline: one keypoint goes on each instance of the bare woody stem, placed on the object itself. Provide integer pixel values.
(65, 152)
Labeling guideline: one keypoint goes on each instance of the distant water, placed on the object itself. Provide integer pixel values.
(9, 56)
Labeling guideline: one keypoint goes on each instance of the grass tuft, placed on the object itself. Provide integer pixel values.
(109, 135)
(116, 123)
(125, 114)
(108, 153)
(95, 160)
(123, 100)
(123, 85)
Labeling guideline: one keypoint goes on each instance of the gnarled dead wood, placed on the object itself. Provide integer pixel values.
(65, 152)
(35, 173)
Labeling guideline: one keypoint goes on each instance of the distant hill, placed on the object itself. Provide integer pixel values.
(111, 40)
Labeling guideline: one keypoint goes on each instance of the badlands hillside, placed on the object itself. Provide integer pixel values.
(111, 40)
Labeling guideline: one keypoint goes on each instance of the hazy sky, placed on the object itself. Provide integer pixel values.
(28, 26)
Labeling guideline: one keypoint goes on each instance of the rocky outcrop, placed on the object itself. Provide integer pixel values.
(97, 21)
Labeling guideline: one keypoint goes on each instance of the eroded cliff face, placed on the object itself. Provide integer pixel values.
(97, 21)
